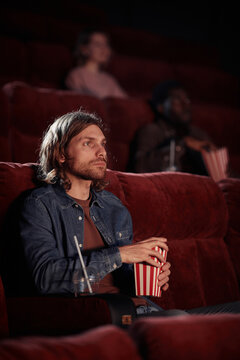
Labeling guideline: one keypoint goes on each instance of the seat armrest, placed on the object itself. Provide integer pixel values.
(67, 315)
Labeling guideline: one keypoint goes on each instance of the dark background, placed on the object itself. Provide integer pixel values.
(209, 22)
(212, 23)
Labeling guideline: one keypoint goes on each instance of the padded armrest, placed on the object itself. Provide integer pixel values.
(63, 315)
(231, 191)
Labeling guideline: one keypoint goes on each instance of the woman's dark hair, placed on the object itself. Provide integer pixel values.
(84, 39)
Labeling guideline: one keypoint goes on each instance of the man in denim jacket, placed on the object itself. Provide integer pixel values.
(72, 203)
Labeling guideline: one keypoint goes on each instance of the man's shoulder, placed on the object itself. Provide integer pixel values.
(44, 192)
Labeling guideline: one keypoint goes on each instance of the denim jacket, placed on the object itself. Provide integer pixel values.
(49, 221)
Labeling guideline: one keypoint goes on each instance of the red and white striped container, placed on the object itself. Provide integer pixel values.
(216, 163)
(146, 276)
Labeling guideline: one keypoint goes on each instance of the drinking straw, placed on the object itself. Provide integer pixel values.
(172, 155)
(82, 263)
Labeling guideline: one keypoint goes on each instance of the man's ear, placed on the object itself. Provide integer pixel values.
(62, 158)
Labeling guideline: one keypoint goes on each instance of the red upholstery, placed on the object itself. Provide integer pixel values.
(103, 343)
(46, 25)
(48, 64)
(208, 85)
(25, 25)
(13, 60)
(222, 125)
(188, 337)
(124, 116)
(137, 42)
(139, 76)
(52, 316)
(188, 51)
(64, 32)
(3, 313)
(196, 207)
(34, 109)
(231, 191)
(5, 149)
(191, 212)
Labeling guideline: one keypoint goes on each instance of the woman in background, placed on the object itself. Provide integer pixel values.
(93, 53)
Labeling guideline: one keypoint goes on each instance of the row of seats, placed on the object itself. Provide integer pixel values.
(26, 111)
(204, 254)
(46, 65)
(49, 27)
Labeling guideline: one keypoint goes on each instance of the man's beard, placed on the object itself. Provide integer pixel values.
(86, 172)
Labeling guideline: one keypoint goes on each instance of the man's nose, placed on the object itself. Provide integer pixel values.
(101, 151)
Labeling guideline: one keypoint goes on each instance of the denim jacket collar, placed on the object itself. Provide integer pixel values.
(67, 201)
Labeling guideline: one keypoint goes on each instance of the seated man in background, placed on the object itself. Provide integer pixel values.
(72, 203)
(171, 142)
(93, 53)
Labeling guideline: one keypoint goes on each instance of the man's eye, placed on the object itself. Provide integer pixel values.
(87, 143)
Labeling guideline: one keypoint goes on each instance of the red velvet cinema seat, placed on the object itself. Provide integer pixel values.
(48, 64)
(222, 125)
(231, 191)
(206, 84)
(139, 75)
(188, 337)
(28, 315)
(5, 149)
(13, 60)
(189, 210)
(103, 343)
(33, 109)
(4, 332)
(124, 118)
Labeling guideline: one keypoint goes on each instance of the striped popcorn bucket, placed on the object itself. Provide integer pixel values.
(216, 163)
(146, 277)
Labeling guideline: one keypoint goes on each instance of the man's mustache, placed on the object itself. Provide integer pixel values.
(97, 160)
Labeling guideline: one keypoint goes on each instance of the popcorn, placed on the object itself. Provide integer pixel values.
(146, 276)
(216, 163)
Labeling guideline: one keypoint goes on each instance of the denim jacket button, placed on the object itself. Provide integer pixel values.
(80, 218)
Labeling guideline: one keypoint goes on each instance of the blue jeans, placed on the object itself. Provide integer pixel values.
(154, 310)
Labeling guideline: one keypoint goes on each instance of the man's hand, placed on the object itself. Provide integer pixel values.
(142, 251)
(163, 278)
(198, 145)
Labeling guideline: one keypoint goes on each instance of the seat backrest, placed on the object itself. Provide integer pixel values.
(190, 211)
(206, 84)
(125, 117)
(48, 64)
(13, 60)
(138, 75)
(5, 150)
(3, 313)
(33, 109)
